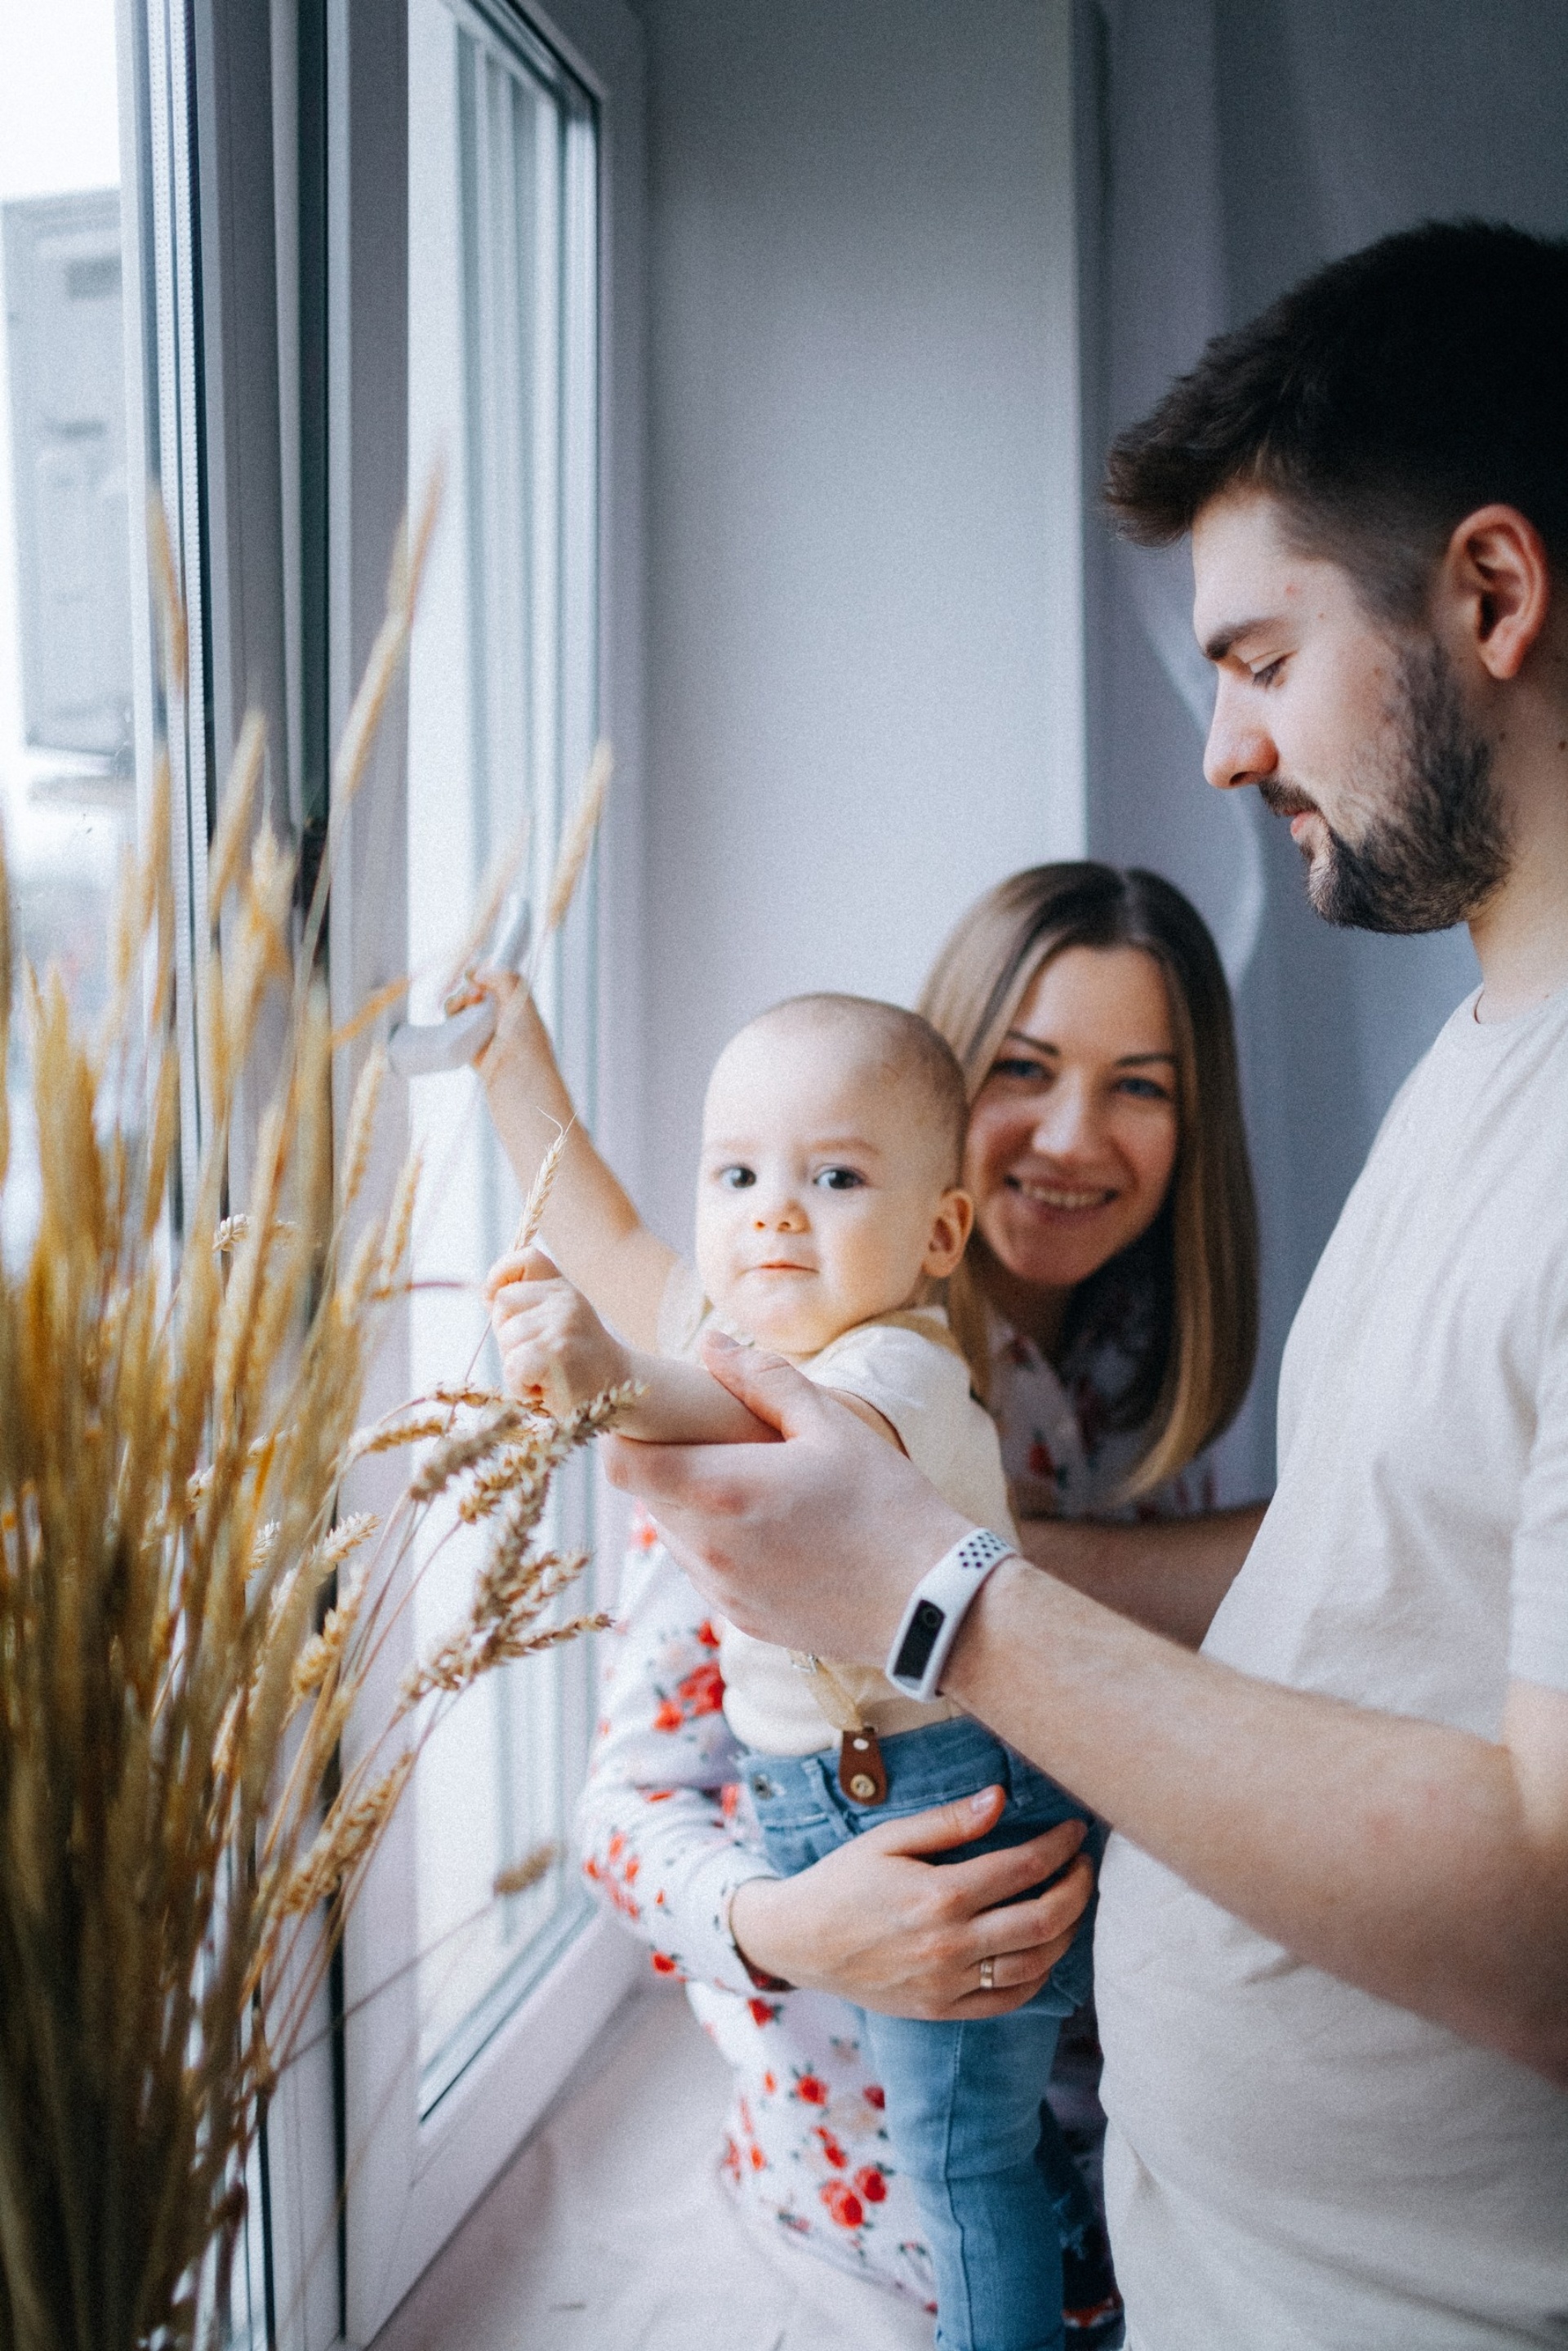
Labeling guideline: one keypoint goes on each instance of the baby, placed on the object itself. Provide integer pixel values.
(828, 1207)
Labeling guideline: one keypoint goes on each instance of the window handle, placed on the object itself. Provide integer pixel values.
(418, 1050)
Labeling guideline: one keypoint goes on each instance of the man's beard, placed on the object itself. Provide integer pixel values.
(1441, 848)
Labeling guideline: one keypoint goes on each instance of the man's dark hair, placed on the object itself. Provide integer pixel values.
(1381, 401)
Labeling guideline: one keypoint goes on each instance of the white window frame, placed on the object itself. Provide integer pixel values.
(410, 2184)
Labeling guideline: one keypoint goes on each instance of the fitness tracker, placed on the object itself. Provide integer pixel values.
(925, 1638)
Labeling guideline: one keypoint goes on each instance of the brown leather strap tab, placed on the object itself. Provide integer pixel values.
(863, 1774)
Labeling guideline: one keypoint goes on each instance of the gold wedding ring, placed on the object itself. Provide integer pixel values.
(988, 1975)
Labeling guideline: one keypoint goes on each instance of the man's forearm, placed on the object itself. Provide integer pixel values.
(1170, 1574)
(1396, 1854)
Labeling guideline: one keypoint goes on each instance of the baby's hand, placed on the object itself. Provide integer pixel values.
(520, 1051)
(556, 1353)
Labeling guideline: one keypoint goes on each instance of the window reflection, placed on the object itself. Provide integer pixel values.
(67, 778)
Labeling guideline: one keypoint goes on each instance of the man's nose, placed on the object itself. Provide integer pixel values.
(1239, 750)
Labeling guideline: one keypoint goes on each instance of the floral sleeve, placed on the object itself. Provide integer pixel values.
(664, 1843)
(656, 1824)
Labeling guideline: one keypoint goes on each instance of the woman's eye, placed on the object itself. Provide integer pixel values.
(1144, 1088)
(735, 1179)
(838, 1179)
(1021, 1070)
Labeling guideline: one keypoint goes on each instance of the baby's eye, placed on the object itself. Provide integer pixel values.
(735, 1179)
(838, 1179)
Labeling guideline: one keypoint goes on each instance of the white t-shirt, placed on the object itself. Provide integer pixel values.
(1294, 2165)
(908, 1368)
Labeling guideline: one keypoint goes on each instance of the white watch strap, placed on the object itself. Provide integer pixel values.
(936, 1607)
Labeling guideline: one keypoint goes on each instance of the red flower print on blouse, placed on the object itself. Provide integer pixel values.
(871, 2184)
(729, 2162)
(874, 2096)
(706, 1634)
(702, 1692)
(615, 1875)
(763, 2011)
(810, 2087)
(1041, 1464)
(644, 1535)
(663, 1965)
(833, 2150)
(668, 1716)
(843, 2205)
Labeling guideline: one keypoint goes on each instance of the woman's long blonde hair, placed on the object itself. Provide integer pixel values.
(1197, 1263)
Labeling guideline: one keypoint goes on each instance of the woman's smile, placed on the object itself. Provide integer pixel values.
(1072, 1137)
(1060, 1199)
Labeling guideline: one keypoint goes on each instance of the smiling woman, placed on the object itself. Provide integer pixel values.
(1117, 1237)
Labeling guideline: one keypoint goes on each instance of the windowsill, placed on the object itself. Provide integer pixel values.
(611, 2228)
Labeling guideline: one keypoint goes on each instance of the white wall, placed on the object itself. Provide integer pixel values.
(863, 590)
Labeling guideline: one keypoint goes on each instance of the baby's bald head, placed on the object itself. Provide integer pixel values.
(880, 1047)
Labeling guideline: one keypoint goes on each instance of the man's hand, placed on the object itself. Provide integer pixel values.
(556, 1353)
(814, 1543)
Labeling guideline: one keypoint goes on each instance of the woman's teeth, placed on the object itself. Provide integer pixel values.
(1055, 1195)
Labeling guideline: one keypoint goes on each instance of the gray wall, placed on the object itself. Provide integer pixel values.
(1243, 142)
(854, 525)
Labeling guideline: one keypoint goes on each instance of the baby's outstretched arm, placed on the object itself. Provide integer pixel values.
(556, 1354)
(592, 1228)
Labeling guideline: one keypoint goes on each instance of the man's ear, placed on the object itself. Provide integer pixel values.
(1496, 574)
(950, 1230)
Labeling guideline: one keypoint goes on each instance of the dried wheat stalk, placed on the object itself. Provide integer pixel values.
(172, 1446)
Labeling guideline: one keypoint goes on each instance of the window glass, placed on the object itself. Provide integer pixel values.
(72, 469)
(502, 300)
(67, 784)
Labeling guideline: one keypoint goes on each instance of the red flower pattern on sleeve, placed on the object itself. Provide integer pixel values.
(665, 1835)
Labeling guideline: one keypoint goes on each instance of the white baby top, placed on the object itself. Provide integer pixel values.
(1292, 2163)
(909, 1368)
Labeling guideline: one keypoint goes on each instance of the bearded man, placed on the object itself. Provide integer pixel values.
(1331, 1956)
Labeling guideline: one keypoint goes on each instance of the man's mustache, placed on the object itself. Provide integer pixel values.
(1286, 799)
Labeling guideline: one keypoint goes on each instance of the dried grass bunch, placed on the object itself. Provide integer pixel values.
(186, 1620)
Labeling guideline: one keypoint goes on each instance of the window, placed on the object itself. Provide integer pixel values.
(213, 295)
(67, 472)
(503, 392)
(100, 389)
(513, 137)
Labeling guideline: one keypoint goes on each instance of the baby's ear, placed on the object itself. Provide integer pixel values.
(950, 1230)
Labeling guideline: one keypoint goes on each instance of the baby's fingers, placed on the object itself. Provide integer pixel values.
(519, 1265)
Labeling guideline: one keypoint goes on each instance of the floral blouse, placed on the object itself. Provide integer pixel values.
(665, 1840)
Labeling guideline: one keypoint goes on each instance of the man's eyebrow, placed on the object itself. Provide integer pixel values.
(1226, 640)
